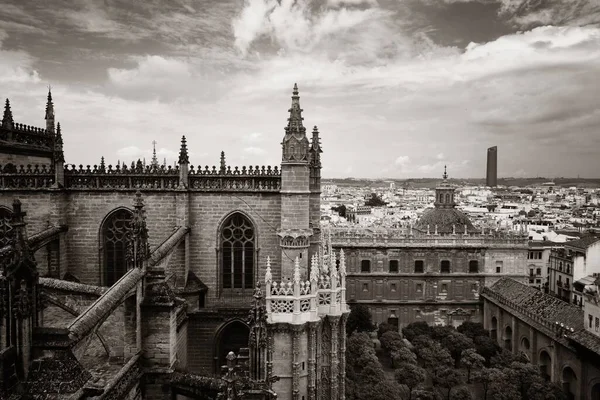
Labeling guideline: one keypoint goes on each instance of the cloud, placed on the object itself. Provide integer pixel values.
(16, 67)
(402, 160)
(440, 156)
(255, 151)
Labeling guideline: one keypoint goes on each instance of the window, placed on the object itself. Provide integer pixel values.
(393, 265)
(419, 287)
(499, 265)
(591, 319)
(538, 271)
(473, 266)
(597, 324)
(445, 267)
(393, 287)
(365, 266)
(444, 287)
(530, 271)
(419, 266)
(560, 266)
(473, 287)
(237, 246)
(538, 281)
(116, 233)
(365, 287)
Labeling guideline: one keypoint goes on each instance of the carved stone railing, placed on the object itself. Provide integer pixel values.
(28, 135)
(399, 237)
(298, 301)
(125, 380)
(135, 177)
(257, 179)
(26, 177)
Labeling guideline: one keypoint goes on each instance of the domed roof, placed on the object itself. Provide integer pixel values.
(447, 220)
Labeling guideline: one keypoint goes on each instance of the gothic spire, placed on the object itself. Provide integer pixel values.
(295, 120)
(315, 148)
(49, 112)
(154, 162)
(7, 119)
(183, 152)
(58, 145)
(223, 165)
(295, 144)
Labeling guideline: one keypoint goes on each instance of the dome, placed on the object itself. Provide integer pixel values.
(448, 220)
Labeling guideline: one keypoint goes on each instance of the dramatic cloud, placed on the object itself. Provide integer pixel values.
(405, 87)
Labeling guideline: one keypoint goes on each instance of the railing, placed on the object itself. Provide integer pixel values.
(257, 179)
(121, 177)
(342, 237)
(299, 301)
(30, 177)
(30, 135)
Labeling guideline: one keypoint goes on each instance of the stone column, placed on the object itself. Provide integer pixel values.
(312, 339)
(333, 357)
(342, 350)
(296, 362)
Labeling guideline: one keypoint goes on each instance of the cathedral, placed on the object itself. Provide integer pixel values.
(137, 281)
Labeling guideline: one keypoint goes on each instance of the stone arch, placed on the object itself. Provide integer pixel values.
(545, 364)
(494, 329)
(525, 344)
(569, 382)
(594, 390)
(230, 336)
(237, 244)
(115, 232)
(508, 345)
(6, 228)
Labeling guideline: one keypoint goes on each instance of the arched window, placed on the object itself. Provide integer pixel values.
(116, 231)
(237, 247)
(6, 229)
(447, 198)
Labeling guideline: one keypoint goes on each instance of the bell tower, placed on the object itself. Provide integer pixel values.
(444, 193)
(295, 230)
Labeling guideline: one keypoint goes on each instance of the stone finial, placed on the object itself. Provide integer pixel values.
(102, 164)
(49, 106)
(314, 269)
(7, 118)
(332, 265)
(342, 263)
(297, 270)
(268, 275)
(58, 145)
(154, 162)
(223, 164)
(183, 152)
(445, 176)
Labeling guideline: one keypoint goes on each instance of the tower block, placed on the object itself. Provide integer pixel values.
(295, 231)
(306, 324)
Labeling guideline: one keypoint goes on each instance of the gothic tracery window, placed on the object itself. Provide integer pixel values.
(116, 231)
(237, 261)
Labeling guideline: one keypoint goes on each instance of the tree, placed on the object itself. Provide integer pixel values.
(385, 327)
(410, 375)
(486, 347)
(359, 320)
(403, 355)
(470, 360)
(486, 377)
(420, 394)
(412, 330)
(432, 354)
(375, 201)
(456, 343)
(503, 359)
(391, 341)
(472, 329)
(341, 210)
(439, 333)
(448, 378)
(383, 390)
(523, 375)
(461, 393)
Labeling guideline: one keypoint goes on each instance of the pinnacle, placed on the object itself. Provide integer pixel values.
(49, 106)
(295, 91)
(183, 153)
(7, 119)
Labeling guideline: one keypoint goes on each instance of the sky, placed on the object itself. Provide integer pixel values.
(397, 88)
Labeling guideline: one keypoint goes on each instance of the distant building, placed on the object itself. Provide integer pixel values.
(492, 167)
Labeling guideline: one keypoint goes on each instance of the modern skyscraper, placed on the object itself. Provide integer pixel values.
(492, 167)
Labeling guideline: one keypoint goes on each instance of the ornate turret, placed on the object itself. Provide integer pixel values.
(315, 149)
(7, 118)
(315, 188)
(444, 218)
(295, 144)
(139, 248)
(49, 113)
(184, 162)
(295, 229)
